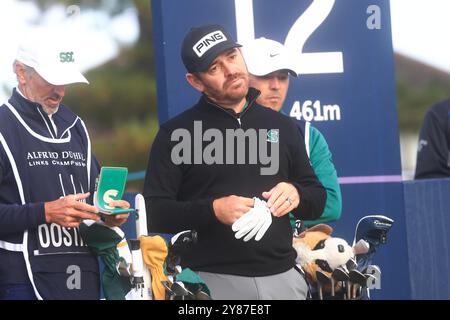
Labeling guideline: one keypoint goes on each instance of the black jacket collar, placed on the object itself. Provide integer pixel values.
(251, 97)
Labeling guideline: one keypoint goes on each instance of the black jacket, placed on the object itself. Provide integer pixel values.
(433, 152)
(179, 197)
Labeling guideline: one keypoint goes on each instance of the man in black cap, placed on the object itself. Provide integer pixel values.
(198, 178)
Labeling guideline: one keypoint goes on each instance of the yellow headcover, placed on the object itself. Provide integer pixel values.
(154, 251)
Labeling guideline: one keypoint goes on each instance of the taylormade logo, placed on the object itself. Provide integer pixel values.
(380, 223)
(208, 41)
(236, 147)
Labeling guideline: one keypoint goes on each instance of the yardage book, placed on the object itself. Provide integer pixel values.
(110, 186)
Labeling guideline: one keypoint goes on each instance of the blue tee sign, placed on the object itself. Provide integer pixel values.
(346, 89)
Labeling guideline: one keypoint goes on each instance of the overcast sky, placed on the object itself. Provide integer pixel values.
(420, 30)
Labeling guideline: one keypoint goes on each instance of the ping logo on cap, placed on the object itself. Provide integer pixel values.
(208, 41)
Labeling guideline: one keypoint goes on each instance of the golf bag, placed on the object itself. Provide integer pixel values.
(178, 284)
(353, 279)
(373, 229)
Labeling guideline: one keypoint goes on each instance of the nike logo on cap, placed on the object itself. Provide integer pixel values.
(274, 55)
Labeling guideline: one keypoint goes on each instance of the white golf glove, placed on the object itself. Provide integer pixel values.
(255, 222)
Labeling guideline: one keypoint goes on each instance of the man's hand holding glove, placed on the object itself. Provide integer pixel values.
(254, 223)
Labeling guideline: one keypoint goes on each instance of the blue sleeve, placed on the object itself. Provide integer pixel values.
(15, 218)
(18, 218)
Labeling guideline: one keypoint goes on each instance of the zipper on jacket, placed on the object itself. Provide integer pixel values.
(238, 118)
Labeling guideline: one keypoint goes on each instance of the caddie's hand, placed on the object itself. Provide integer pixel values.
(229, 209)
(282, 199)
(117, 219)
(70, 211)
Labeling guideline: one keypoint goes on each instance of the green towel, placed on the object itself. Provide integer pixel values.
(192, 279)
(103, 240)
